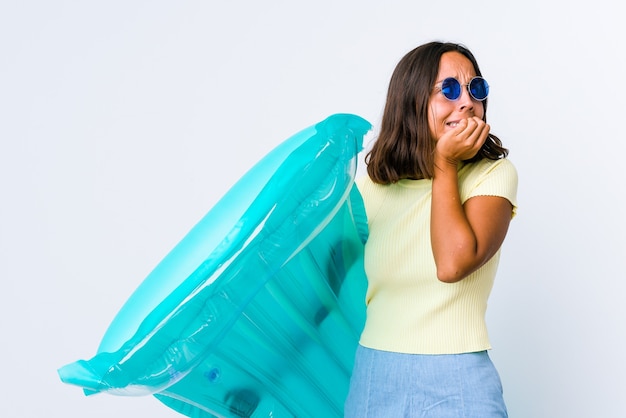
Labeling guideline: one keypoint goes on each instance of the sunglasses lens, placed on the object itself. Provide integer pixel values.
(451, 88)
(479, 88)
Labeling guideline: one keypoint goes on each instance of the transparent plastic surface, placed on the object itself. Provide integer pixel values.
(258, 310)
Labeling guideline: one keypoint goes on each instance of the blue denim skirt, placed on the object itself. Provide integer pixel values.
(390, 385)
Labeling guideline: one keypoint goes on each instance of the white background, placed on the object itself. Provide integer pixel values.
(123, 122)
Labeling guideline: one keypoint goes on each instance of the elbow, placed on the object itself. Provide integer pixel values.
(453, 269)
(450, 275)
(452, 272)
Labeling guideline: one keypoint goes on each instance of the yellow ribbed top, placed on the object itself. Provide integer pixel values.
(408, 309)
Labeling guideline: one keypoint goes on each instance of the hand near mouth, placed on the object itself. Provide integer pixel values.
(462, 141)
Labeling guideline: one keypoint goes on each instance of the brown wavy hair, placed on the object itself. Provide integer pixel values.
(404, 147)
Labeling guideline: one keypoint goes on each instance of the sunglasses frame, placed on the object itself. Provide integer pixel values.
(469, 90)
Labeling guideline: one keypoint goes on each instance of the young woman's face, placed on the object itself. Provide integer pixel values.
(443, 113)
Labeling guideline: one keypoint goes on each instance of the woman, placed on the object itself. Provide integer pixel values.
(439, 197)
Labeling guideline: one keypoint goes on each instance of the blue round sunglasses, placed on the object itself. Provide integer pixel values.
(477, 88)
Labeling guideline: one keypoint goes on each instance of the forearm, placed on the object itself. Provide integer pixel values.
(453, 241)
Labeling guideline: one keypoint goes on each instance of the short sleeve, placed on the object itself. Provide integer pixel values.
(490, 178)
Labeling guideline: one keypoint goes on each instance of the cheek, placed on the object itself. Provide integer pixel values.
(436, 118)
(480, 110)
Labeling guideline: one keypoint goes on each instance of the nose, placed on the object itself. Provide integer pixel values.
(466, 101)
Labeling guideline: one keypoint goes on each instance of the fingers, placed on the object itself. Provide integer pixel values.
(465, 140)
(476, 132)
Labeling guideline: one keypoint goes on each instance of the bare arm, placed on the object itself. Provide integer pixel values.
(463, 237)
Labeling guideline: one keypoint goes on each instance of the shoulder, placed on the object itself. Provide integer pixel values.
(503, 166)
(502, 170)
(366, 185)
(487, 165)
(489, 177)
(373, 194)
